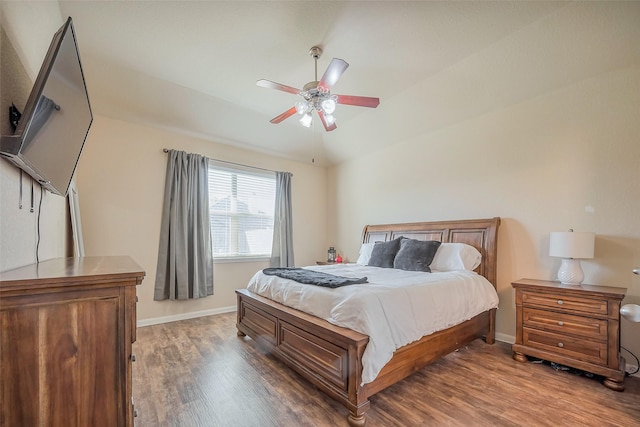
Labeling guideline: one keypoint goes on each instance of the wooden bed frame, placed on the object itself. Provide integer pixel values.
(330, 356)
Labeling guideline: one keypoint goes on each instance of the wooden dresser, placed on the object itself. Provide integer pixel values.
(65, 349)
(573, 325)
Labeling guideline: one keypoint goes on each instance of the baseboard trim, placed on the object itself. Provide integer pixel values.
(509, 339)
(185, 316)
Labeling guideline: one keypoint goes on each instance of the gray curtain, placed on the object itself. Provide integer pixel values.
(185, 261)
(282, 249)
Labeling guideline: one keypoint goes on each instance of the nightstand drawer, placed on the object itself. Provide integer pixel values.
(576, 348)
(565, 323)
(570, 303)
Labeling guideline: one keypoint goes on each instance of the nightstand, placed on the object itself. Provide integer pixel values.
(573, 325)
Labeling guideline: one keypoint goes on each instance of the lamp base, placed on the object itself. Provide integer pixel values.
(570, 272)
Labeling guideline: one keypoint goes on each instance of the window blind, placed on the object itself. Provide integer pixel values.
(241, 206)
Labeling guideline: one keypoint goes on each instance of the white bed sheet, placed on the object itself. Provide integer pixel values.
(395, 308)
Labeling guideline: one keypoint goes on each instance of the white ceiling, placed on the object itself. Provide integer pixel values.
(192, 66)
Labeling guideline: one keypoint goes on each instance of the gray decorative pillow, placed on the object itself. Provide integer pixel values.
(416, 255)
(384, 253)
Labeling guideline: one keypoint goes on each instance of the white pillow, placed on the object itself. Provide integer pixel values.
(456, 256)
(365, 253)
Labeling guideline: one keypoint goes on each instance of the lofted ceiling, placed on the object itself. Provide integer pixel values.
(192, 66)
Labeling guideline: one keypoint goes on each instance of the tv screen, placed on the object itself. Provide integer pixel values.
(54, 125)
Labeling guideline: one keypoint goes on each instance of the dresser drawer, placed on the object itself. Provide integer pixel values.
(576, 348)
(571, 303)
(563, 323)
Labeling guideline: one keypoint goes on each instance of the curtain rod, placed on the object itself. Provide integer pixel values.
(166, 150)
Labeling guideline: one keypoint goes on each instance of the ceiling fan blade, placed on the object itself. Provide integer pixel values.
(360, 101)
(333, 73)
(273, 85)
(290, 112)
(324, 122)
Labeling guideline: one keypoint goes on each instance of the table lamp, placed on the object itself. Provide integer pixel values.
(571, 246)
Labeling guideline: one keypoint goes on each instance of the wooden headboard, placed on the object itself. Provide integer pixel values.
(479, 233)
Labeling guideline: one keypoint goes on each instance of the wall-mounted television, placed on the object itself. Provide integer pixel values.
(55, 122)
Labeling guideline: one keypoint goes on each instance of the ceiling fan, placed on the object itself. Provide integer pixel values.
(317, 95)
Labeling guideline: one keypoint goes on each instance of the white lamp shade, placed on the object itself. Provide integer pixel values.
(571, 244)
(631, 312)
(301, 107)
(329, 119)
(329, 106)
(306, 120)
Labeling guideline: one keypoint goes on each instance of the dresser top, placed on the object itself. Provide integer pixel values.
(71, 271)
(554, 286)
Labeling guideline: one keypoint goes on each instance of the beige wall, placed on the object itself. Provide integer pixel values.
(121, 186)
(568, 159)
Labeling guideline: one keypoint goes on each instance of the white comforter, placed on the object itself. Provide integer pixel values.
(394, 309)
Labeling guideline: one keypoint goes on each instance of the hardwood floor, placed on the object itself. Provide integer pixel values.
(199, 373)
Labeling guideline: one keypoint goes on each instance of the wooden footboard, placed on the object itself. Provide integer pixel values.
(330, 357)
(327, 355)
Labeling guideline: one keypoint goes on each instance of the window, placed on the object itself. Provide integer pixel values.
(241, 208)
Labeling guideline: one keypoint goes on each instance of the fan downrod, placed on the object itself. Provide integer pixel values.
(315, 52)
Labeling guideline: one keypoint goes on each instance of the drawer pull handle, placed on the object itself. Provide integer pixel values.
(560, 345)
(560, 302)
(133, 357)
(560, 323)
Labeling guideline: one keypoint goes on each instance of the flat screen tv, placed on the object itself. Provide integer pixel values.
(54, 125)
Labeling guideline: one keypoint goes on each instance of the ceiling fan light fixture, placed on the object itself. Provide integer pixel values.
(301, 107)
(328, 106)
(306, 120)
(329, 119)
